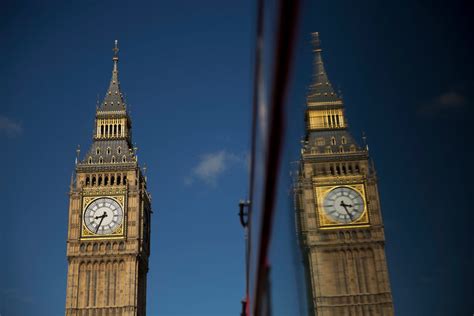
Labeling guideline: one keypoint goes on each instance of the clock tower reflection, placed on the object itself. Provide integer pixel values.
(338, 211)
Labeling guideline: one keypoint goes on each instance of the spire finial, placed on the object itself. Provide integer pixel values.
(316, 42)
(78, 151)
(364, 139)
(115, 50)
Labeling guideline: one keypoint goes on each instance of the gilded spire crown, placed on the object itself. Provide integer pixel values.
(321, 89)
(113, 100)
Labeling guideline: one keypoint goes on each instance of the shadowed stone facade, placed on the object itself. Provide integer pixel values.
(338, 211)
(108, 241)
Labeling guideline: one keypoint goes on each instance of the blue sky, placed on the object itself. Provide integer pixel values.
(405, 71)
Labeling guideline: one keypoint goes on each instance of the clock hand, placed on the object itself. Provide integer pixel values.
(100, 223)
(103, 215)
(344, 205)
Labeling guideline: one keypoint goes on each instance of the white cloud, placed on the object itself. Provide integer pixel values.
(10, 127)
(211, 166)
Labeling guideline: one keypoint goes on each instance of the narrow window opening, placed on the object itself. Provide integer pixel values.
(102, 130)
(333, 141)
(90, 159)
(100, 180)
(120, 129)
(106, 180)
(88, 281)
(337, 119)
(112, 180)
(118, 179)
(93, 181)
(88, 180)
(97, 151)
(124, 179)
(343, 140)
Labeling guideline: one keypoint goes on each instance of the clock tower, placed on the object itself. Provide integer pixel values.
(108, 241)
(338, 211)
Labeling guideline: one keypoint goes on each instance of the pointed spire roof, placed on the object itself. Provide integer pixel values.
(113, 100)
(321, 89)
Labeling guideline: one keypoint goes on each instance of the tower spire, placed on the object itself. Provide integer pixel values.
(115, 50)
(321, 89)
(113, 100)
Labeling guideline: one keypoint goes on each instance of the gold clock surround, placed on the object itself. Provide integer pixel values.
(325, 222)
(117, 234)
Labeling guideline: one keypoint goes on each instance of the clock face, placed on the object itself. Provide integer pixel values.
(103, 216)
(343, 205)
